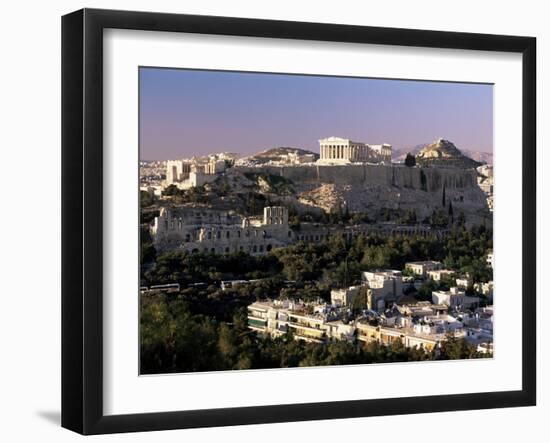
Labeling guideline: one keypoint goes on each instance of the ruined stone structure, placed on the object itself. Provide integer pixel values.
(221, 232)
(343, 150)
(185, 175)
(224, 232)
(177, 171)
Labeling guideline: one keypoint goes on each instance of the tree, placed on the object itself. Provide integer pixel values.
(453, 348)
(361, 300)
(146, 199)
(410, 160)
(171, 190)
(409, 218)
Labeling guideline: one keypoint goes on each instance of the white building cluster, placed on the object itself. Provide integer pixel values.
(388, 316)
(186, 174)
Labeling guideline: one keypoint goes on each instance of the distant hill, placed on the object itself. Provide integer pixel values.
(479, 156)
(278, 153)
(443, 152)
(398, 155)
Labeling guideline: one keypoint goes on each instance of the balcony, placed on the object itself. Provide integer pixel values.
(255, 323)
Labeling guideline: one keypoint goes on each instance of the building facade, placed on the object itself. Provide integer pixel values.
(344, 296)
(187, 174)
(454, 298)
(384, 287)
(276, 318)
(421, 268)
(221, 232)
(177, 171)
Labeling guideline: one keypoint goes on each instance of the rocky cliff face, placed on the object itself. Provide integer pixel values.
(444, 153)
(370, 188)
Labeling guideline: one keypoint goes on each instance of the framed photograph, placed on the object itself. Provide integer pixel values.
(269, 221)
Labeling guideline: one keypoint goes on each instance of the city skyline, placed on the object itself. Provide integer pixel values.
(185, 113)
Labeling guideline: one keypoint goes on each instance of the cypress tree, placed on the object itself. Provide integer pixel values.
(410, 160)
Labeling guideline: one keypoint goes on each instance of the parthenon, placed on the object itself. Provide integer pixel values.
(343, 150)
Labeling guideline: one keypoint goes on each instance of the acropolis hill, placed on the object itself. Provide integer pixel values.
(351, 176)
(369, 188)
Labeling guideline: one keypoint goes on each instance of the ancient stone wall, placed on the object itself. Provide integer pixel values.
(427, 179)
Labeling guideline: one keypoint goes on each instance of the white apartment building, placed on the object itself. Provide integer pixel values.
(385, 286)
(345, 296)
(439, 274)
(454, 298)
(421, 268)
(491, 259)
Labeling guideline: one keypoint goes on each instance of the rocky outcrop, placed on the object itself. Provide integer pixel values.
(369, 188)
(279, 154)
(444, 153)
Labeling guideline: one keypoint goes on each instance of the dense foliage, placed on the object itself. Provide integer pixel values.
(178, 336)
(332, 263)
(202, 327)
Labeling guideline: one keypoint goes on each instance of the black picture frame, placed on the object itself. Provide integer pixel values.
(82, 190)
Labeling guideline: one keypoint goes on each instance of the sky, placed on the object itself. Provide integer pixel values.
(197, 112)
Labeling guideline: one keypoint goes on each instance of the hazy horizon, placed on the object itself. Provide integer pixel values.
(196, 112)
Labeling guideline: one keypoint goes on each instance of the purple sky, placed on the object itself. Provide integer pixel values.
(193, 112)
